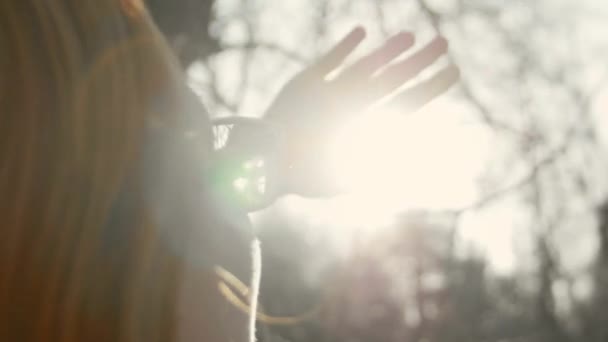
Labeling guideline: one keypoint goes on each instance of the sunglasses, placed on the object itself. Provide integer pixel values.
(246, 161)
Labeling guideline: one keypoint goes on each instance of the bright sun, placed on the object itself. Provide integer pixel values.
(390, 163)
(426, 160)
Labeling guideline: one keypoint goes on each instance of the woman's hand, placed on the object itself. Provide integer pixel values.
(312, 105)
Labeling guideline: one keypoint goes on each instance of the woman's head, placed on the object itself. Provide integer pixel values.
(97, 164)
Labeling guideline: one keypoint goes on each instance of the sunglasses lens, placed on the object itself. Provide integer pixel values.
(245, 161)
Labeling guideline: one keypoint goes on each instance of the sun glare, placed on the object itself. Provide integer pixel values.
(426, 160)
(390, 163)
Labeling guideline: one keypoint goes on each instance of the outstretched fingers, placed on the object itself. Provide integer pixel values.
(331, 60)
(366, 66)
(396, 75)
(418, 96)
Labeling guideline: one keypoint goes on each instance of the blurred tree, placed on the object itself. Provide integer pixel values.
(594, 325)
